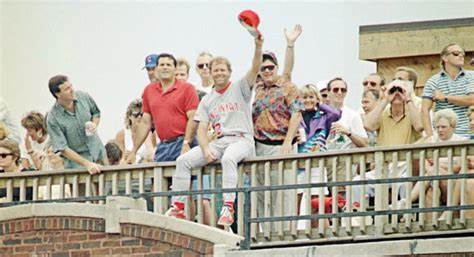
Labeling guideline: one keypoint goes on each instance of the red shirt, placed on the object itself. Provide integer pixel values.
(168, 110)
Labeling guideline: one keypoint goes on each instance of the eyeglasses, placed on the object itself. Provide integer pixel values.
(372, 83)
(5, 155)
(335, 90)
(136, 114)
(324, 95)
(268, 67)
(457, 53)
(202, 65)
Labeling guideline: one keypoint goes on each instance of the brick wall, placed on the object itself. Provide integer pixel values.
(82, 237)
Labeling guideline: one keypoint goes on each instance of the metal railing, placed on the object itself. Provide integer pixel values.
(267, 225)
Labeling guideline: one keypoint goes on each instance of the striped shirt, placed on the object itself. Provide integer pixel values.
(463, 84)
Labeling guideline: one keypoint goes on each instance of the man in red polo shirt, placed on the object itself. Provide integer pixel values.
(170, 104)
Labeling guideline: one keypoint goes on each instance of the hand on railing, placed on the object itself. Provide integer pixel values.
(93, 168)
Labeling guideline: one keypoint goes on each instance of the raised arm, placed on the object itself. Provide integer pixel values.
(291, 38)
(256, 62)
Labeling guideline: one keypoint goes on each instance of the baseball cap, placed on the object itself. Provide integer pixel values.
(270, 55)
(323, 84)
(150, 61)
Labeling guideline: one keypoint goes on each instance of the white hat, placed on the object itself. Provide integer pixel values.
(323, 84)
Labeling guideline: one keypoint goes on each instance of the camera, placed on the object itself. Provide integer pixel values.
(395, 89)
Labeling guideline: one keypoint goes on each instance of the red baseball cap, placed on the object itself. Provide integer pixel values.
(250, 20)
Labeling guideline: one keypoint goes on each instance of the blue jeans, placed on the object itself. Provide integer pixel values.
(167, 152)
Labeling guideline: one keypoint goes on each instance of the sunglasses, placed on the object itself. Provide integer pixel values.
(268, 67)
(372, 84)
(5, 155)
(335, 90)
(324, 95)
(136, 114)
(457, 53)
(202, 65)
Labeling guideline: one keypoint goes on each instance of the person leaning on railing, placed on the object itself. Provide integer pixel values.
(10, 163)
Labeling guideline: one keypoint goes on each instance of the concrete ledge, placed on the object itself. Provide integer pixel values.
(204, 232)
(52, 210)
(119, 210)
(373, 249)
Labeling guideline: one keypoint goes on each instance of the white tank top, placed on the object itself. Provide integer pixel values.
(129, 145)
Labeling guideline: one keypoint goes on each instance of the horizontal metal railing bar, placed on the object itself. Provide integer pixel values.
(361, 214)
(269, 188)
(355, 151)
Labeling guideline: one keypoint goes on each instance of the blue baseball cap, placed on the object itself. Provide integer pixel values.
(150, 61)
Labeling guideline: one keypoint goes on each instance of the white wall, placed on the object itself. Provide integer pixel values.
(101, 45)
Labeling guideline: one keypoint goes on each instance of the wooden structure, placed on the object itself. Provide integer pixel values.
(414, 44)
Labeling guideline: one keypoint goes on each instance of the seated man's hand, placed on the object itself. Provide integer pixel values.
(131, 158)
(93, 168)
(209, 156)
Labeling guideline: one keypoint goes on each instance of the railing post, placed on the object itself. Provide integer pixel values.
(380, 194)
(245, 244)
(160, 184)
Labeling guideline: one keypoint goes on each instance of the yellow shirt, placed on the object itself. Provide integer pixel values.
(393, 132)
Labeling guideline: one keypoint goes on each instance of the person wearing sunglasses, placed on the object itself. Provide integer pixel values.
(451, 88)
(348, 131)
(10, 163)
(400, 122)
(373, 81)
(205, 84)
(227, 110)
(276, 114)
(150, 65)
(124, 138)
(72, 126)
(323, 91)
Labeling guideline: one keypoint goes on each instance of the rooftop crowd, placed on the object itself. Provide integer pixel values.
(263, 114)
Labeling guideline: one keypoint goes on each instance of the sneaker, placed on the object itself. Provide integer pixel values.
(175, 212)
(227, 216)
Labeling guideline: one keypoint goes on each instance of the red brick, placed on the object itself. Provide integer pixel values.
(161, 247)
(141, 249)
(93, 244)
(77, 237)
(94, 236)
(81, 253)
(190, 254)
(24, 248)
(20, 255)
(45, 248)
(123, 250)
(101, 251)
(111, 243)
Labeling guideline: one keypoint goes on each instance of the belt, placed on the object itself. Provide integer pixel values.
(274, 142)
(171, 140)
(232, 135)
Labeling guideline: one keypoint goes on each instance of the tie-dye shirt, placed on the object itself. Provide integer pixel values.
(272, 110)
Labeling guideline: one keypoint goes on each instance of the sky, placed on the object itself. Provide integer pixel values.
(101, 45)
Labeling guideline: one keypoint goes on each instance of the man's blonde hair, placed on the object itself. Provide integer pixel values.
(220, 60)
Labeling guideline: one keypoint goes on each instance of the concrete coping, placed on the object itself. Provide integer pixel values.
(121, 210)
